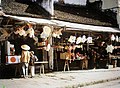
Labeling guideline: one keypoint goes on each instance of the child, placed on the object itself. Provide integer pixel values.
(33, 58)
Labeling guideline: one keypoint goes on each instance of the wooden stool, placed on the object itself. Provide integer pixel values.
(42, 70)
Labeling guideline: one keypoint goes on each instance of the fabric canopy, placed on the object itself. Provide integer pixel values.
(68, 25)
(29, 19)
(83, 27)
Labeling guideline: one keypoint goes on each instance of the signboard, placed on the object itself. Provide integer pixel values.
(12, 59)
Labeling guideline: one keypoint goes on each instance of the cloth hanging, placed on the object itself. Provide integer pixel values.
(84, 39)
(89, 40)
(117, 39)
(72, 39)
(110, 48)
(79, 40)
(113, 37)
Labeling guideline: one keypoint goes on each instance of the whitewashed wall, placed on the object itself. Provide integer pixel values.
(48, 6)
(118, 13)
(75, 2)
(93, 1)
(106, 4)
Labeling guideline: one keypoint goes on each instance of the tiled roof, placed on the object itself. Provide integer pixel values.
(77, 14)
(83, 15)
(23, 9)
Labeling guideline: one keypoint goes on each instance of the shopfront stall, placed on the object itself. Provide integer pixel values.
(64, 45)
(92, 42)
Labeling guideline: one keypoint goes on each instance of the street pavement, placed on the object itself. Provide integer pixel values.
(110, 84)
(61, 79)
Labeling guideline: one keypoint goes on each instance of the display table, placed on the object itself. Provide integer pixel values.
(41, 65)
(114, 59)
(79, 57)
(84, 63)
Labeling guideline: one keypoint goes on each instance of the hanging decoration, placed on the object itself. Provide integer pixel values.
(79, 40)
(117, 39)
(43, 35)
(84, 39)
(48, 47)
(72, 39)
(89, 40)
(4, 34)
(26, 31)
(21, 31)
(46, 32)
(57, 33)
(110, 48)
(112, 37)
(30, 31)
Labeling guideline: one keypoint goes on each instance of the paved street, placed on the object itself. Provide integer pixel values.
(110, 84)
(68, 79)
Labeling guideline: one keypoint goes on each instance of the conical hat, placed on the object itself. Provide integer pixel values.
(25, 47)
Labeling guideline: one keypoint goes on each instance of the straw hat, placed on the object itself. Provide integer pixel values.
(25, 47)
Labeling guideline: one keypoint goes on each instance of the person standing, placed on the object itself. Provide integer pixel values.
(33, 58)
(25, 58)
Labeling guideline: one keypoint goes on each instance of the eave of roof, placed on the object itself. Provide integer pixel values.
(69, 13)
(83, 15)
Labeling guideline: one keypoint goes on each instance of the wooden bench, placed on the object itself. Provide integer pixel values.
(42, 63)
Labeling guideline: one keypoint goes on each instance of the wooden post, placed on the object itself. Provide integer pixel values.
(50, 53)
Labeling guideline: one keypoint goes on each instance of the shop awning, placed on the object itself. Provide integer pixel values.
(33, 20)
(68, 25)
(83, 27)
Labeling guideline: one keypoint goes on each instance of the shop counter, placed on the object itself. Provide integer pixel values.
(115, 60)
(14, 61)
